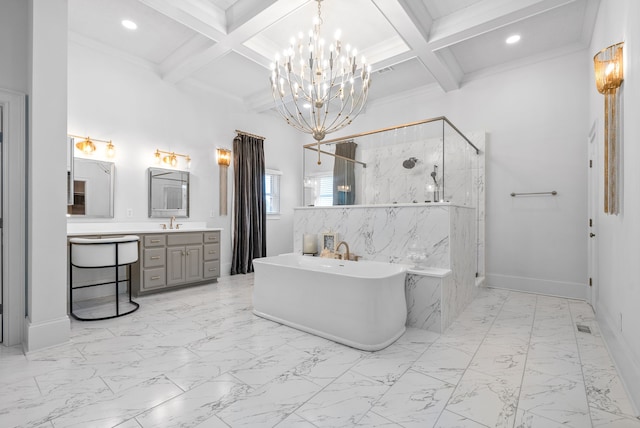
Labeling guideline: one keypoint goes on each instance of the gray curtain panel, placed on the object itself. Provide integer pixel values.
(250, 209)
(344, 175)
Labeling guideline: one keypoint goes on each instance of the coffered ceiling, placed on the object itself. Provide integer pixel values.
(226, 46)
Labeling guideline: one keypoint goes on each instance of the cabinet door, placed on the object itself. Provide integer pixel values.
(175, 265)
(193, 268)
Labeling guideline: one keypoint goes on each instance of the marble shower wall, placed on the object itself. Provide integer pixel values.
(386, 181)
(382, 232)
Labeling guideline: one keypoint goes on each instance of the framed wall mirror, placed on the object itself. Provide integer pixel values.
(168, 193)
(93, 188)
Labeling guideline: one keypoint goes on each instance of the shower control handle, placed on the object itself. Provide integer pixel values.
(591, 235)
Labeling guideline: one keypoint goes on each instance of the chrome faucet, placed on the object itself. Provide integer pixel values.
(346, 246)
(171, 222)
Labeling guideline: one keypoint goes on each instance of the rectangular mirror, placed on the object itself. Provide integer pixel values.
(168, 193)
(93, 188)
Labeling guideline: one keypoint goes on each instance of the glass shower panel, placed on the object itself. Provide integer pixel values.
(421, 162)
(458, 168)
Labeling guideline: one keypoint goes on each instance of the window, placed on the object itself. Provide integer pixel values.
(325, 191)
(272, 191)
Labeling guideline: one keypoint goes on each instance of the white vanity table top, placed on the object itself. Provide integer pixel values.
(78, 229)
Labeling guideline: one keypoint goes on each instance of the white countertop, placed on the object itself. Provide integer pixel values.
(79, 229)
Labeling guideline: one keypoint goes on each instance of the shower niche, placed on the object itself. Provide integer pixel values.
(429, 161)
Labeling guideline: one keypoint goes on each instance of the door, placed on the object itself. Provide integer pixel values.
(592, 201)
(193, 271)
(175, 265)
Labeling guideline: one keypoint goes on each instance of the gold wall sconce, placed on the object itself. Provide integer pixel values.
(170, 158)
(87, 145)
(608, 68)
(224, 160)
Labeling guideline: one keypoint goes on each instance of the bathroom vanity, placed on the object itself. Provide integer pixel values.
(173, 259)
(167, 259)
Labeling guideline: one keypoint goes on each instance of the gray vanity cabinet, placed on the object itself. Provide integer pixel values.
(173, 259)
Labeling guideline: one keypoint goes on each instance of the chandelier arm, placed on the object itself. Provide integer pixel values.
(281, 108)
(299, 117)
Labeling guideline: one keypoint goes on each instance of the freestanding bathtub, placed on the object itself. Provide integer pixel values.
(360, 304)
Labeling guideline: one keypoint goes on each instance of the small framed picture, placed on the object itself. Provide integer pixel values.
(329, 241)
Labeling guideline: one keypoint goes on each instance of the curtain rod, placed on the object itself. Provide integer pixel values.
(250, 134)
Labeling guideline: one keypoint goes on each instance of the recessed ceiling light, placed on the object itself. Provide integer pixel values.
(130, 25)
(513, 39)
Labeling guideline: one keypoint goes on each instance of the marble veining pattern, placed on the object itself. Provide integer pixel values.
(198, 357)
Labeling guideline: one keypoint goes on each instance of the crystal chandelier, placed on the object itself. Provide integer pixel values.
(319, 88)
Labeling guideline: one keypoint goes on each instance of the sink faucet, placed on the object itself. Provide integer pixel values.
(171, 222)
(346, 246)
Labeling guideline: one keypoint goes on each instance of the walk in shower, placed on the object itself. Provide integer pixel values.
(421, 162)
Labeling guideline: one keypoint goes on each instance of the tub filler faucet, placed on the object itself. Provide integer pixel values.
(347, 255)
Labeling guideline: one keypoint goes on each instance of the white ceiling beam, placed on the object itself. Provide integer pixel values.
(415, 37)
(484, 17)
(234, 40)
(243, 10)
(210, 22)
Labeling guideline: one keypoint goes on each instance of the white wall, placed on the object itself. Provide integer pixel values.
(618, 236)
(536, 120)
(47, 322)
(131, 105)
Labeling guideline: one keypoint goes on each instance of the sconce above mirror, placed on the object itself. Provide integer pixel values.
(92, 188)
(168, 193)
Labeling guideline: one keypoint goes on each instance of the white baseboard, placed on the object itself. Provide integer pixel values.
(628, 367)
(547, 287)
(45, 334)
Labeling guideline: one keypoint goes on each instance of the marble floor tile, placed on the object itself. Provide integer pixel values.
(451, 420)
(560, 399)
(198, 357)
(111, 411)
(415, 400)
(386, 365)
(270, 404)
(344, 402)
(197, 405)
(445, 362)
(486, 399)
(602, 419)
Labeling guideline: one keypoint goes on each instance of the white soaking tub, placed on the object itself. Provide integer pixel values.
(360, 304)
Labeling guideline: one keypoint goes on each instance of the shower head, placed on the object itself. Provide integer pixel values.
(410, 163)
(434, 174)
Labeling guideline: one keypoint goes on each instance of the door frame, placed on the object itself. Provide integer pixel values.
(592, 215)
(14, 218)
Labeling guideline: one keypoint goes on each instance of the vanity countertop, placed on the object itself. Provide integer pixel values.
(81, 229)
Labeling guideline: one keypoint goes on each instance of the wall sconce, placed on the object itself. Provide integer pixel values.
(224, 157)
(609, 76)
(87, 146)
(224, 160)
(170, 158)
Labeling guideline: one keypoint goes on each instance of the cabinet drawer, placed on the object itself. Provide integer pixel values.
(212, 237)
(184, 238)
(211, 269)
(153, 278)
(154, 240)
(154, 257)
(212, 251)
